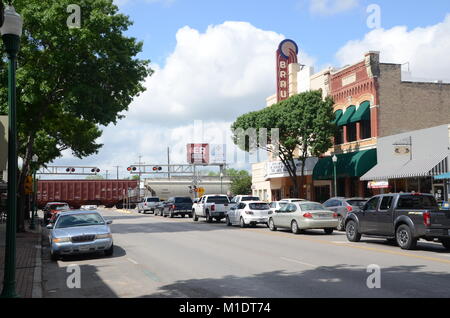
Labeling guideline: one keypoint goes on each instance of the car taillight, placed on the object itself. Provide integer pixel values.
(335, 215)
(308, 215)
(349, 208)
(213, 207)
(427, 219)
(145, 203)
(173, 207)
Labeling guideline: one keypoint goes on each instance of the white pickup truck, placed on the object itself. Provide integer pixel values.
(212, 206)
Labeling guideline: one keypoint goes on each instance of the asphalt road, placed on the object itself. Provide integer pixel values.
(162, 257)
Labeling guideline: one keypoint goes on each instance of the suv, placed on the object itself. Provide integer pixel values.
(177, 206)
(147, 204)
(343, 206)
(403, 218)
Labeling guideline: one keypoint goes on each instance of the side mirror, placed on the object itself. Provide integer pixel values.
(49, 226)
(109, 222)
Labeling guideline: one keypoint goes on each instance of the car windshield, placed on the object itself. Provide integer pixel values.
(218, 200)
(183, 200)
(259, 206)
(152, 199)
(58, 206)
(421, 202)
(358, 203)
(249, 199)
(312, 207)
(75, 220)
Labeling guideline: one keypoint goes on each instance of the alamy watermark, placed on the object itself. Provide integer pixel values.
(374, 18)
(74, 19)
(74, 279)
(374, 279)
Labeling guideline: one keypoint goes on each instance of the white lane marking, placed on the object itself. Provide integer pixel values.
(132, 261)
(298, 262)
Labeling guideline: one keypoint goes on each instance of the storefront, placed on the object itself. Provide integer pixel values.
(412, 161)
(349, 168)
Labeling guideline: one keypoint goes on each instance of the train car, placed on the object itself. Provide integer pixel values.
(85, 192)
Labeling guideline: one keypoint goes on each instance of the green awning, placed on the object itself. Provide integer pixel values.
(337, 115)
(354, 164)
(345, 119)
(363, 113)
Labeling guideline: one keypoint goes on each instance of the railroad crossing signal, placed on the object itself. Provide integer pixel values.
(28, 185)
(157, 169)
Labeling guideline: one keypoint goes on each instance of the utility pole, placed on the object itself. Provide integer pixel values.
(117, 167)
(168, 162)
(107, 174)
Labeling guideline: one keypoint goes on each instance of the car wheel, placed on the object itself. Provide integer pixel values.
(272, 226)
(54, 257)
(446, 244)
(110, 251)
(351, 230)
(208, 218)
(328, 231)
(294, 227)
(194, 216)
(405, 239)
(228, 221)
(242, 223)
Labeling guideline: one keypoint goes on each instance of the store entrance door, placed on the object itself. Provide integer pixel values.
(322, 193)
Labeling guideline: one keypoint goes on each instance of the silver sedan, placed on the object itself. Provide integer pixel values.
(304, 215)
(78, 232)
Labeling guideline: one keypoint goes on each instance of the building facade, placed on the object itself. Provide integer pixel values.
(373, 100)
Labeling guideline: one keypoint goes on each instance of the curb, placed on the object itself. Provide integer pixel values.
(37, 277)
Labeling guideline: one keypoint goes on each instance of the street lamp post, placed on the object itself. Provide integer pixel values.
(221, 182)
(335, 159)
(34, 210)
(11, 32)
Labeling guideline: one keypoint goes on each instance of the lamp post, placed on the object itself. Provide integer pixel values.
(221, 182)
(11, 31)
(335, 159)
(34, 210)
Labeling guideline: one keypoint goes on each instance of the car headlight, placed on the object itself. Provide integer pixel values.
(61, 240)
(103, 236)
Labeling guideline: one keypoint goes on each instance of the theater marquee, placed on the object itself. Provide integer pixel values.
(286, 54)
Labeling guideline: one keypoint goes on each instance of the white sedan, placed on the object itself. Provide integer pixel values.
(304, 215)
(249, 213)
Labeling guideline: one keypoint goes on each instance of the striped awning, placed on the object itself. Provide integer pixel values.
(434, 165)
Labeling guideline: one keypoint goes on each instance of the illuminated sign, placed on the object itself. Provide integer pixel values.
(286, 54)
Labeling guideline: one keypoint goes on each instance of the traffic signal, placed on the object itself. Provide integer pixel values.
(70, 170)
(129, 168)
(157, 169)
(28, 185)
(95, 170)
(134, 169)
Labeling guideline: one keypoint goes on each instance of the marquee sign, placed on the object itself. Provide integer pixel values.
(286, 54)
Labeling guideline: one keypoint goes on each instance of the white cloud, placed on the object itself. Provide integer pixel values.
(213, 76)
(425, 48)
(122, 3)
(331, 7)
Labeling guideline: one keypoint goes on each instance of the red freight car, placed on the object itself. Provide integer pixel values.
(84, 192)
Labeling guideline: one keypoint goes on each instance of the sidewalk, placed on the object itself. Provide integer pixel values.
(28, 261)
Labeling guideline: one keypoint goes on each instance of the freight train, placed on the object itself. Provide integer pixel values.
(76, 193)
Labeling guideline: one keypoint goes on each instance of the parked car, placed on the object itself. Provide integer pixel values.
(242, 198)
(52, 208)
(403, 218)
(177, 206)
(213, 206)
(78, 232)
(147, 204)
(159, 206)
(249, 213)
(342, 206)
(292, 200)
(277, 205)
(304, 215)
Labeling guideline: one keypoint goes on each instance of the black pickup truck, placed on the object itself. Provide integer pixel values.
(403, 218)
(177, 206)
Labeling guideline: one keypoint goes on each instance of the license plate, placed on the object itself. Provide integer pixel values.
(85, 248)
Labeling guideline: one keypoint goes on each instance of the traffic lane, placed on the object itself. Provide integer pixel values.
(271, 259)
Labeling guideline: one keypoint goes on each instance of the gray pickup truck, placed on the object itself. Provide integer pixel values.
(403, 218)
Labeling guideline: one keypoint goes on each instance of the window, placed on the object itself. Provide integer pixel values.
(421, 202)
(291, 208)
(218, 199)
(339, 136)
(259, 206)
(351, 132)
(386, 203)
(311, 207)
(241, 206)
(183, 200)
(372, 204)
(366, 129)
(152, 199)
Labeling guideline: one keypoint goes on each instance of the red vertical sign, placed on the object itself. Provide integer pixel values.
(198, 153)
(286, 54)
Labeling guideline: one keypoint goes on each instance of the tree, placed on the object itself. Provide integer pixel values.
(71, 81)
(241, 181)
(305, 123)
(96, 177)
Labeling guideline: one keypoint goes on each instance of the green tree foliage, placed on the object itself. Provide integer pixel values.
(305, 129)
(241, 181)
(71, 81)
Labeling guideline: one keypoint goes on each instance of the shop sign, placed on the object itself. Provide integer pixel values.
(378, 185)
(286, 54)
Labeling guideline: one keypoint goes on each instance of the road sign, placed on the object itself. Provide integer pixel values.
(201, 191)
(28, 185)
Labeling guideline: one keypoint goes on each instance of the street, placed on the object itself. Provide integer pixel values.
(162, 257)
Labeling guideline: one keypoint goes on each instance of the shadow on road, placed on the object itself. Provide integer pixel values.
(341, 281)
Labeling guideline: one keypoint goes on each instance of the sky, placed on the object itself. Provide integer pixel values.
(214, 60)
